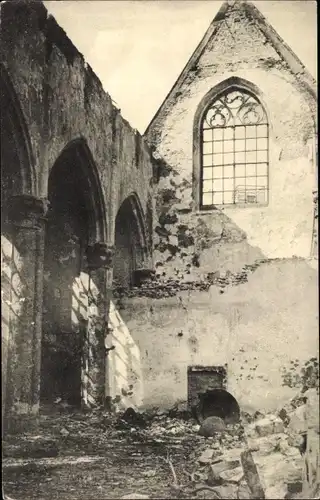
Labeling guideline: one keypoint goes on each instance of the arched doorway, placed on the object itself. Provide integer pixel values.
(76, 221)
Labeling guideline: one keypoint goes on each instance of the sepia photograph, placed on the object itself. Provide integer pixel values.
(159, 250)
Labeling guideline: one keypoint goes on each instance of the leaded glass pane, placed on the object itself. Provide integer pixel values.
(235, 150)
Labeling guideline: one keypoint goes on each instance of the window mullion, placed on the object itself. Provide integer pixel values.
(235, 123)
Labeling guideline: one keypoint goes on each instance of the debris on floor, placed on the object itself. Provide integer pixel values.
(156, 454)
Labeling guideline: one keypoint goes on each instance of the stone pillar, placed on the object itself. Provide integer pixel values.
(100, 262)
(27, 220)
(108, 366)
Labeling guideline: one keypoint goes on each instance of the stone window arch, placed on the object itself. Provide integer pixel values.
(231, 148)
(131, 248)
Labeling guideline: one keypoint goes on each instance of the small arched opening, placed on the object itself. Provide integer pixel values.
(130, 243)
(76, 220)
(130, 258)
(220, 403)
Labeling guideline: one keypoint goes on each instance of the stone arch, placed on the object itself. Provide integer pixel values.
(130, 265)
(21, 222)
(232, 82)
(131, 247)
(76, 158)
(17, 161)
(76, 228)
(219, 403)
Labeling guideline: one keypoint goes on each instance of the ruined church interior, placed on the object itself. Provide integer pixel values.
(160, 286)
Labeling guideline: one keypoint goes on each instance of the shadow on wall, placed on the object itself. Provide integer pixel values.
(85, 315)
(13, 297)
(123, 364)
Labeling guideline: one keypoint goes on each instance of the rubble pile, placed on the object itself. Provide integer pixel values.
(275, 442)
(278, 460)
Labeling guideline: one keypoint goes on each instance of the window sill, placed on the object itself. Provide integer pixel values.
(219, 208)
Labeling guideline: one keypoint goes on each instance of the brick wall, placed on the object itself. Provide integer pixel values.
(203, 378)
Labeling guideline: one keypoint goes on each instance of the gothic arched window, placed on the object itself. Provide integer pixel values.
(234, 151)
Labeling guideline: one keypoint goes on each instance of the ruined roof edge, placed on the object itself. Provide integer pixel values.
(271, 34)
(295, 64)
(194, 57)
(56, 34)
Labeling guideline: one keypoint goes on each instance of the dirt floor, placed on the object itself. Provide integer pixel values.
(96, 455)
(95, 460)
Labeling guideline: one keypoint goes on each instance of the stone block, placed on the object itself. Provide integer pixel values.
(298, 423)
(276, 470)
(268, 425)
(295, 439)
(278, 426)
(232, 475)
(206, 456)
(264, 427)
(215, 475)
(232, 455)
(253, 444)
(271, 443)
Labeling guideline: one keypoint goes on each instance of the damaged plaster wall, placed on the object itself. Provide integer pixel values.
(124, 375)
(257, 322)
(239, 49)
(232, 285)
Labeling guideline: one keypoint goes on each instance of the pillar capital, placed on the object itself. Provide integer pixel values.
(27, 211)
(100, 255)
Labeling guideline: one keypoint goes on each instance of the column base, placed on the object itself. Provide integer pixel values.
(21, 419)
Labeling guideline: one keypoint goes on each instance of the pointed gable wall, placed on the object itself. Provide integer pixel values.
(241, 45)
(236, 31)
(239, 36)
